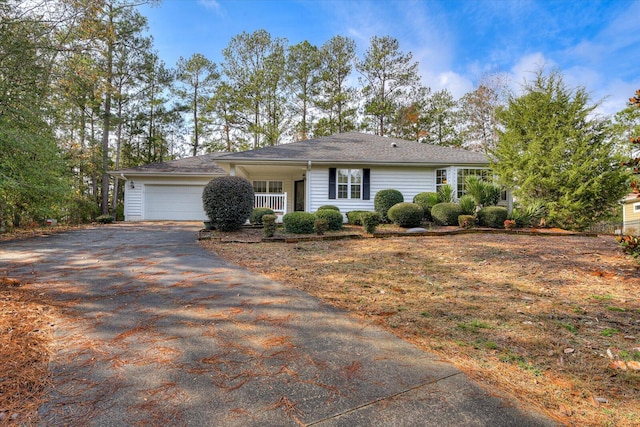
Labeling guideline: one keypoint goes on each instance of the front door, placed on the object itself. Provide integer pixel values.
(298, 197)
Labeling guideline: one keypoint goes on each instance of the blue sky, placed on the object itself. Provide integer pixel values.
(595, 44)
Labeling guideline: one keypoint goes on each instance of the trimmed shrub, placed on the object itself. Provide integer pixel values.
(228, 202)
(446, 213)
(406, 214)
(355, 217)
(384, 200)
(258, 213)
(299, 222)
(370, 220)
(492, 216)
(320, 225)
(467, 204)
(334, 218)
(105, 219)
(330, 207)
(269, 224)
(466, 221)
(426, 200)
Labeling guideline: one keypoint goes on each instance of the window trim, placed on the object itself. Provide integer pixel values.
(267, 185)
(350, 185)
(636, 207)
(460, 182)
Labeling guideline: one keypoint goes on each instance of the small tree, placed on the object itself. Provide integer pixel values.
(228, 202)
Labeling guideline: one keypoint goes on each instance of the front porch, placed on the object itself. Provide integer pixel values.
(277, 202)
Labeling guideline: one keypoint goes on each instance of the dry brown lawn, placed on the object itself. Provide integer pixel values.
(553, 320)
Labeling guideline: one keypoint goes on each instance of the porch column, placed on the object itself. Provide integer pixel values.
(232, 169)
(307, 190)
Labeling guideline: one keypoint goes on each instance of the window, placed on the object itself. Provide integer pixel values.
(273, 187)
(441, 178)
(636, 207)
(484, 174)
(349, 183)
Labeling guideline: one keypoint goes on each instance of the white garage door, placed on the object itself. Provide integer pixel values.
(173, 202)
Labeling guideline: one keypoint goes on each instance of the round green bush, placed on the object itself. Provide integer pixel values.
(426, 200)
(384, 200)
(330, 207)
(334, 218)
(355, 217)
(446, 213)
(492, 216)
(370, 220)
(406, 214)
(299, 222)
(228, 202)
(258, 213)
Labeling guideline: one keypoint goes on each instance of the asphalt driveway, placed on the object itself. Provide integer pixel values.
(154, 330)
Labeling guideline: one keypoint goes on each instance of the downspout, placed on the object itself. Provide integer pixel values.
(126, 190)
(307, 190)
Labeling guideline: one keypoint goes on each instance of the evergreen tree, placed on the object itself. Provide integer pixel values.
(303, 68)
(335, 98)
(388, 74)
(198, 77)
(441, 120)
(553, 148)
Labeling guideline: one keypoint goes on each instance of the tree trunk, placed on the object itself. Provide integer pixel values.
(107, 122)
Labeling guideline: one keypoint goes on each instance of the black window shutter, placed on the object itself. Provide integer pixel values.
(366, 184)
(332, 183)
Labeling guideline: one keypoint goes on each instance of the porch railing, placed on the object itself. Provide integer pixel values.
(275, 202)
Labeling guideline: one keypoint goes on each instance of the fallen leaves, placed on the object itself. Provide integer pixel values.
(546, 298)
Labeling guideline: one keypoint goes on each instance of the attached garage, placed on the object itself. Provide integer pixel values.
(168, 191)
(174, 202)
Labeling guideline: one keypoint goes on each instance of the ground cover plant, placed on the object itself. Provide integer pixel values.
(553, 320)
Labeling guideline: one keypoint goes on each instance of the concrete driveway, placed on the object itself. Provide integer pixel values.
(153, 330)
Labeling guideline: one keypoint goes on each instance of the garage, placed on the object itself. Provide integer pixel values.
(168, 191)
(173, 202)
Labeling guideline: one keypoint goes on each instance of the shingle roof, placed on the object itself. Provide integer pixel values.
(358, 147)
(204, 164)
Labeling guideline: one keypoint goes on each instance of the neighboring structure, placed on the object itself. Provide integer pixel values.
(345, 170)
(631, 214)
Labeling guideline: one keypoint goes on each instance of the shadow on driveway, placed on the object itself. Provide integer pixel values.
(155, 330)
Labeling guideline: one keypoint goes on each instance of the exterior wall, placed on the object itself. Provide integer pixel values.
(409, 181)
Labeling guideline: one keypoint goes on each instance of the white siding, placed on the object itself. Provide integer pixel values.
(409, 181)
(133, 202)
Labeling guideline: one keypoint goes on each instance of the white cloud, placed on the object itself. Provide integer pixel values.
(524, 70)
(210, 4)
